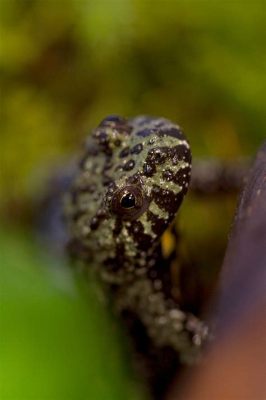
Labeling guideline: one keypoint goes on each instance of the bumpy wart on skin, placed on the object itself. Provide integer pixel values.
(131, 182)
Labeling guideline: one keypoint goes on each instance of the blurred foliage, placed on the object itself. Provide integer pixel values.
(66, 64)
(56, 340)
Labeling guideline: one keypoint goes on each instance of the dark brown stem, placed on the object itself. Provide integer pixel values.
(212, 176)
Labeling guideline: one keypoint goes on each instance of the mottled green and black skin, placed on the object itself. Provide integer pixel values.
(129, 187)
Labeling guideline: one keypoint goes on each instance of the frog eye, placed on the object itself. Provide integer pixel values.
(129, 202)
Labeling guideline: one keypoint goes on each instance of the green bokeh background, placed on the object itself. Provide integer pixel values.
(64, 66)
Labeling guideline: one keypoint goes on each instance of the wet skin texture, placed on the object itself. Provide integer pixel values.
(130, 184)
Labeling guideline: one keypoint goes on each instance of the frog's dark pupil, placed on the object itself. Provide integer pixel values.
(128, 201)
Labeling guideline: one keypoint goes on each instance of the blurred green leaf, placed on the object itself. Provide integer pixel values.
(201, 63)
(56, 340)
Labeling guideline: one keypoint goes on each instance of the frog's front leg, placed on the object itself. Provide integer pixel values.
(163, 336)
(164, 321)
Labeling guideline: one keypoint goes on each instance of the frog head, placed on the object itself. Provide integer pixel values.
(131, 182)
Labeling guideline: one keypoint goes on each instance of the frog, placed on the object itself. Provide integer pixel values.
(121, 199)
(129, 185)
